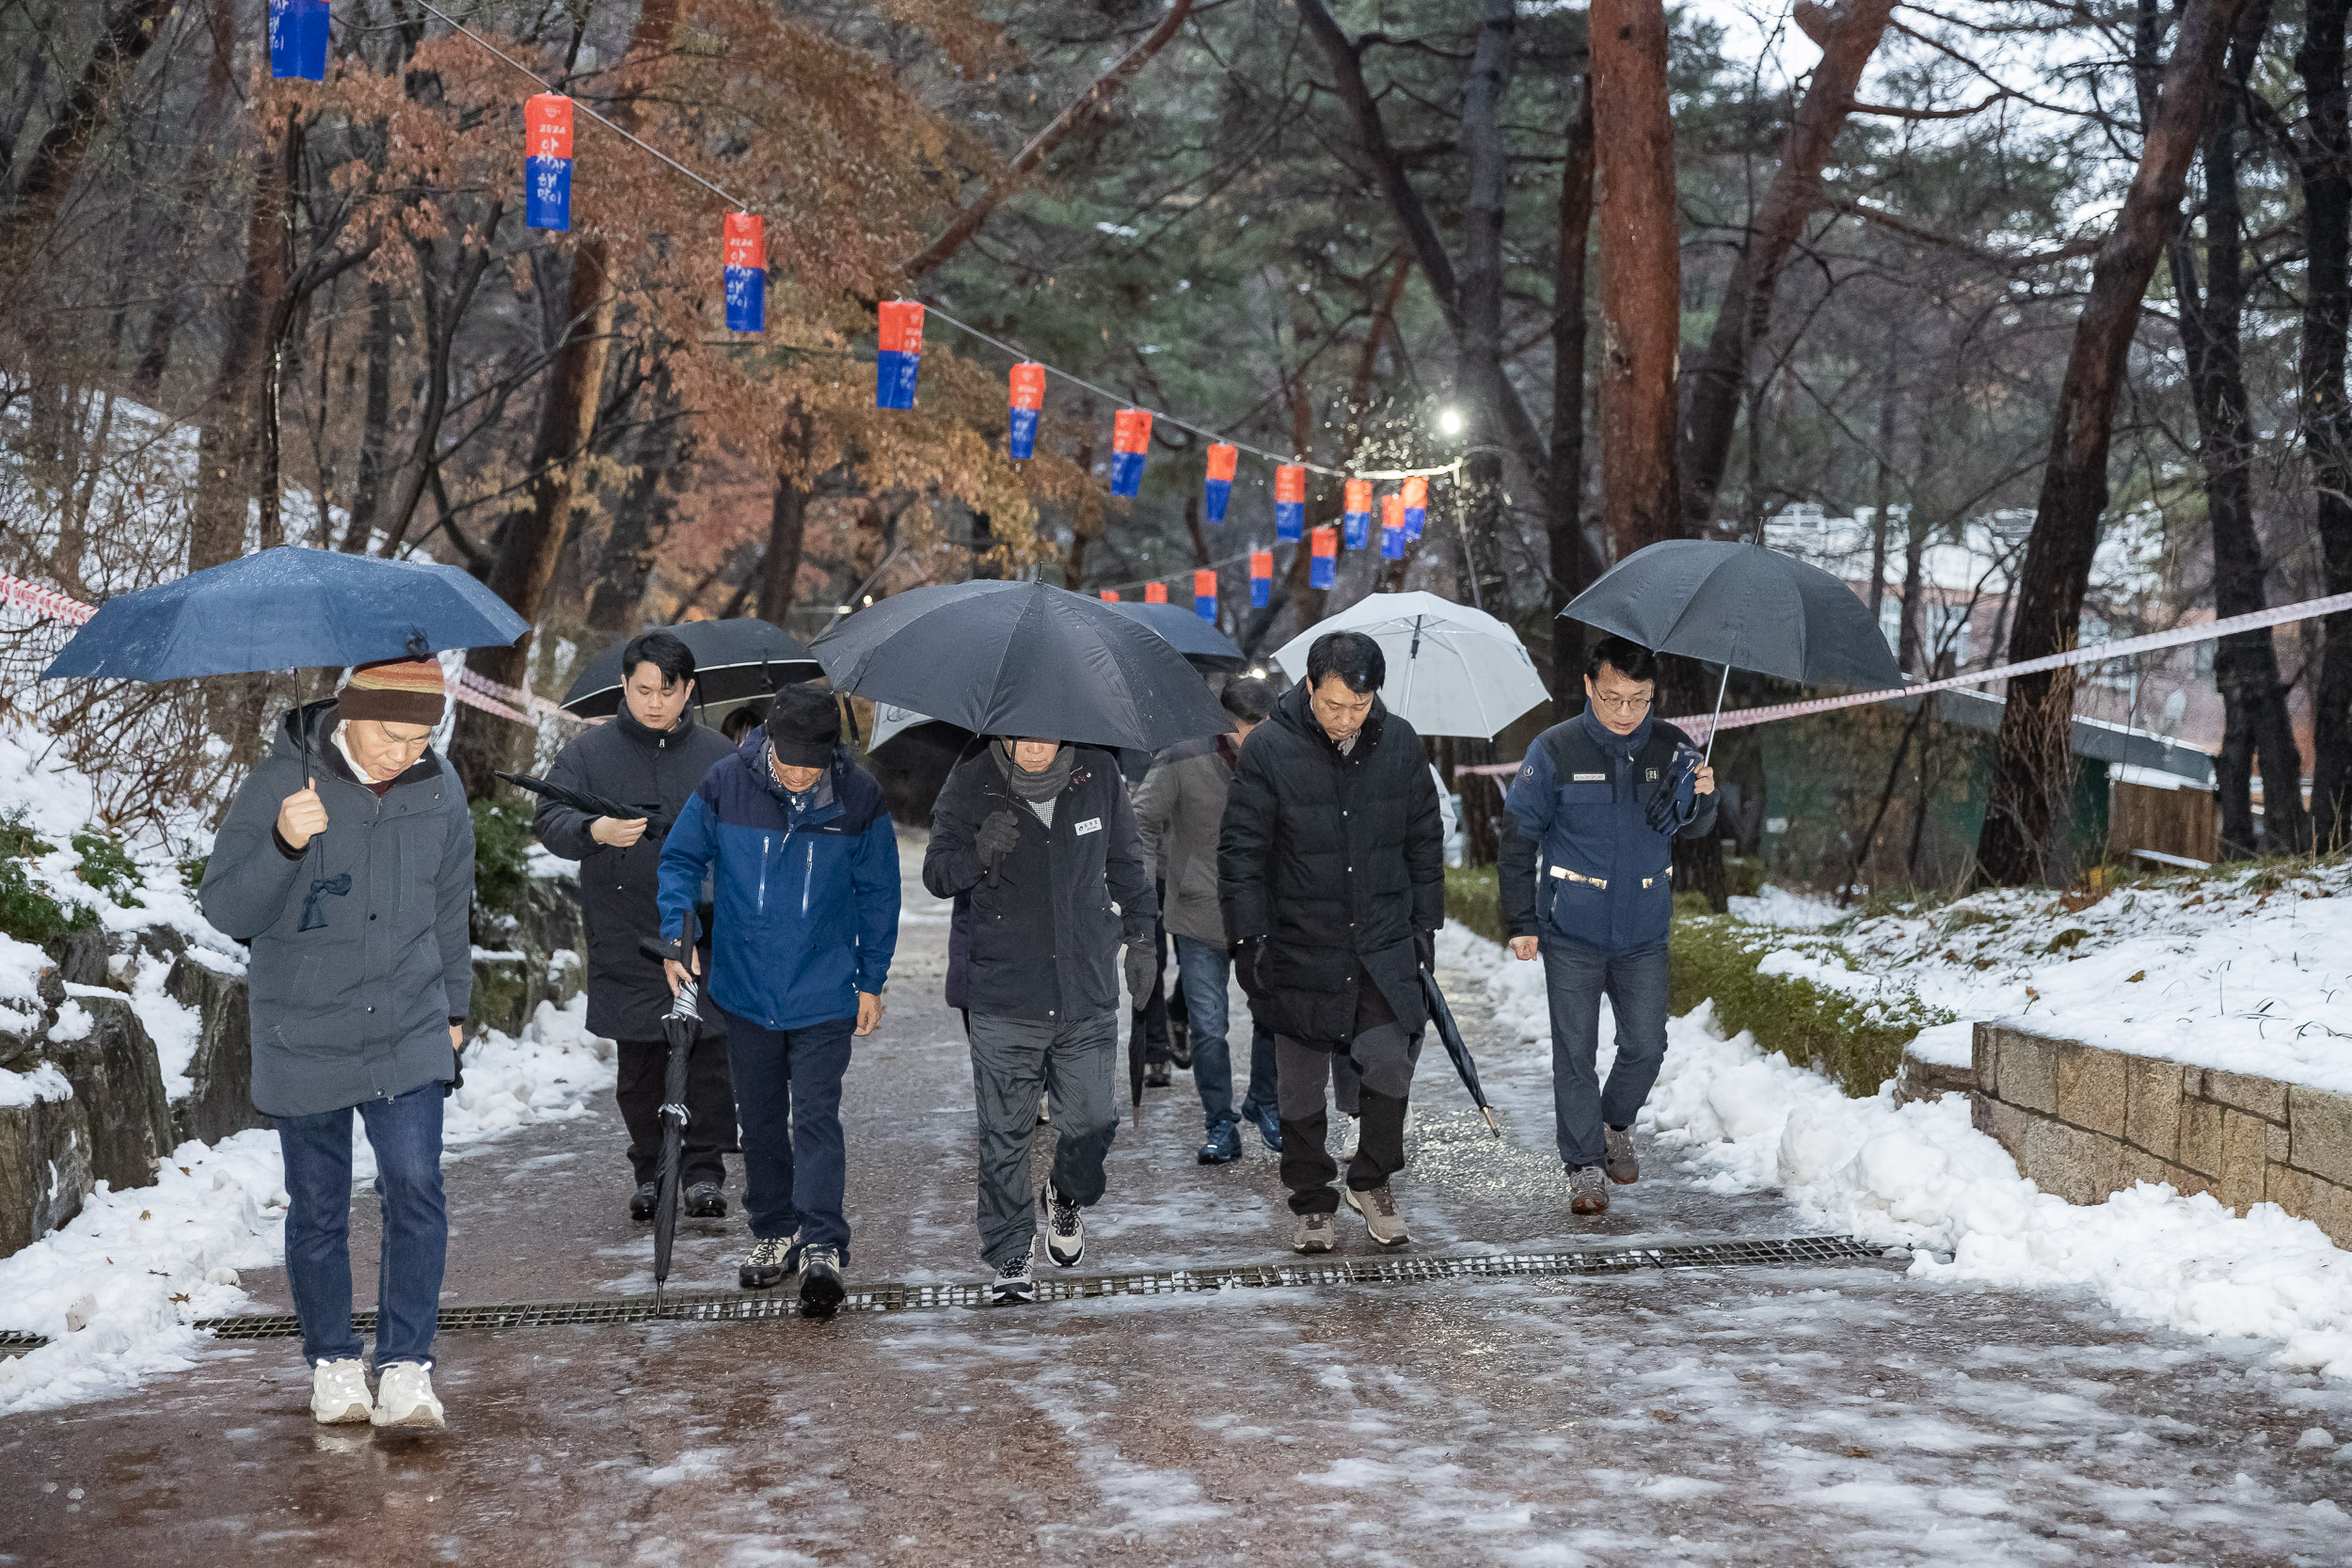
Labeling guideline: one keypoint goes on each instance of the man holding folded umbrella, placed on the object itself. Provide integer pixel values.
(650, 757)
(1586, 845)
(796, 843)
(1035, 841)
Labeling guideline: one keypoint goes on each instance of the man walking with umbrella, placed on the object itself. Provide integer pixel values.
(346, 861)
(1035, 841)
(797, 845)
(1331, 868)
(1586, 845)
(650, 757)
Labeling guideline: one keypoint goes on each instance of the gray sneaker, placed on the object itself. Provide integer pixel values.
(1315, 1233)
(1623, 1168)
(1378, 1207)
(1015, 1282)
(1588, 1192)
(771, 1259)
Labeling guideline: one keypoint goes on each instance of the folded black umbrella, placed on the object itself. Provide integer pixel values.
(1451, 1033)
(656, 820)
(1022, 658)
(680, 1025)
(732, 659)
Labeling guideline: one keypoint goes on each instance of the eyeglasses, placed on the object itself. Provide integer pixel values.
(1623, 705)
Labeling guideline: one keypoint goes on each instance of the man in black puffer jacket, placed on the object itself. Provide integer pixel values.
(652, 754)
(1331, 870)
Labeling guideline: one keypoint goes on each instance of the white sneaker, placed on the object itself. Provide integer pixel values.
(403, 1399)
(1065, 1229)
(1015, 1282)
(339, 1392)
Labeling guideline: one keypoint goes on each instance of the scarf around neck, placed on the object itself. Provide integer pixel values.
(1042, 785)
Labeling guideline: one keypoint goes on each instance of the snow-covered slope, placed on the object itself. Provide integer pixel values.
(2247, 970)
(1921, 1176)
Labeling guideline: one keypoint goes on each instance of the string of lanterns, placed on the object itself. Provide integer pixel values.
(298, 36)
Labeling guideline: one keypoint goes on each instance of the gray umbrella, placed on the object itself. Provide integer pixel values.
(1022, 658)
(1741, 605)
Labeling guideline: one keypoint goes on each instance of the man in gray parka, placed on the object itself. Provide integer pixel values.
(346, 861)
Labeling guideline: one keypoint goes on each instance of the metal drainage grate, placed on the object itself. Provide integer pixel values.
(745, 1307)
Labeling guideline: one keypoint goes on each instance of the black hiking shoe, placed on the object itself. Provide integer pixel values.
(1179, 1044)
(821, 1286)
(705, 1201)
(643, 1202)
(771, 1259)
(1156, 1076)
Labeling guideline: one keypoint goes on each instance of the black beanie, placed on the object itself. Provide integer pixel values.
(804, 726)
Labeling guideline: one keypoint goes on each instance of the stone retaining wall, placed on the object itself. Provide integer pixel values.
(2083, 1122)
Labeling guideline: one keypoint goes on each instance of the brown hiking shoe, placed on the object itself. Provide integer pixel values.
(1623, 1168)
(1378, 1207)
(1315, 1233)
(1587, 1193)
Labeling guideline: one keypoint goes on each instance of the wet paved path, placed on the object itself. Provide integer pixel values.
(1834, 1414)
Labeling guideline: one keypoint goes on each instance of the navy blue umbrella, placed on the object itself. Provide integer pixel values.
(287, 608)
(1197, 639)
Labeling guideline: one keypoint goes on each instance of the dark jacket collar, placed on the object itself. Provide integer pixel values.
(1613, 744)
(628, 724)
(1291, 710)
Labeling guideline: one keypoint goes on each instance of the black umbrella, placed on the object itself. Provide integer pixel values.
(679, 1026)
(1737, 604)
(656, 820)
(1451, 1033)
(1197, 639)
(732, 659)
(1022, 658)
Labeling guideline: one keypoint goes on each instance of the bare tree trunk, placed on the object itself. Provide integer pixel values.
(1573, 564)
(2325, 160)
(128, 35)
(1884, 498)
(1718, 376)
(376, 434)
(1482, 373)
(2246, 666)
(2031, 767)
(531, 542)
(1090, 102)
(1640, 272)
(788, 523)
(1911, 640)
(208, 125)
(230, 465)
(616, 600)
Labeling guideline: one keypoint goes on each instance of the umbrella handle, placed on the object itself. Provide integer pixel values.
(1721, 686)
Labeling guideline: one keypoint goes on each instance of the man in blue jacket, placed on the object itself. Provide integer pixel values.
(804, 864)
(1586, 845)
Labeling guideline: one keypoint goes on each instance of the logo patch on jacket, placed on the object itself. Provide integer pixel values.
(1590, 778)
(1651, 776)
(1092, 825)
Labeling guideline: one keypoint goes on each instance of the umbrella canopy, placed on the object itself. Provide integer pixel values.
(1452, 670)
(1021, 658)
(1744, 606)
(732, 659)
(291, 608)
(1189, 635)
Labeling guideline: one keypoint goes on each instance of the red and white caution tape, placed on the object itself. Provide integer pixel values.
(43, 601)
(2097, 653)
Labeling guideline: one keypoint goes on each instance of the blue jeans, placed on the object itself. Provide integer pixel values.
(1577, 976)
(405, 1134)
(1204, 969)
(787, 1101)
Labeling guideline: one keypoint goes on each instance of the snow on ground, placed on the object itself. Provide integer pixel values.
(1921, 1176)
(2247, 969)
(117, 1288)
(1795, 911)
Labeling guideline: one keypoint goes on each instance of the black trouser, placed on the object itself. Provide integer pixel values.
(709, 1107)
(1151, 1015)
(1382, 1058)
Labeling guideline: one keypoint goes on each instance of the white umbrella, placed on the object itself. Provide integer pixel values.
(1452, 670)
(891, 720)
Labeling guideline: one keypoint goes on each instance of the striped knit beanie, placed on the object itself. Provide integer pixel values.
(395, 691)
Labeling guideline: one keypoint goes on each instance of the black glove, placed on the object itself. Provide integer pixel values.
(1143, 973)
(1246, 954)
(1425, 950)
(995, 839)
